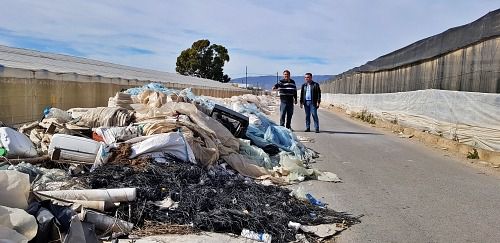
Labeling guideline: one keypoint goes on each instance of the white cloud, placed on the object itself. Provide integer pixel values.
(266, 36)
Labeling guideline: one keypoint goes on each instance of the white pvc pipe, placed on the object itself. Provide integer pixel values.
(109, 195)
(97, 205)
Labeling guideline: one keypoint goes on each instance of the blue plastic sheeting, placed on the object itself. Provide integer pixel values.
(267, 133)
(203, 101)
(280, 136)
(285, 140)
(151, 86)
(315, 201)
(253, 109)
(256, 132)
(188, 93)
(257, 136)
(259, 156)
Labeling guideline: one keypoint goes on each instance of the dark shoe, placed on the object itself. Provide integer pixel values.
(307, 130)
(317, 131)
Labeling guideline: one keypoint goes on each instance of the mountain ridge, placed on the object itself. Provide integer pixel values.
(267, 82)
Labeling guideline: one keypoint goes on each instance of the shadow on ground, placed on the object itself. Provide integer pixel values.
(344, 132)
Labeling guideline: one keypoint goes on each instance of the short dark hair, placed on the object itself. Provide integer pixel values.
(286, 71)
(310, 74)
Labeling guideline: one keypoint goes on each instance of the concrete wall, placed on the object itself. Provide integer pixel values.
(475, 68)
(25, 93)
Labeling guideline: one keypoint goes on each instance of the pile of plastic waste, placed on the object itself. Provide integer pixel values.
(158, 159)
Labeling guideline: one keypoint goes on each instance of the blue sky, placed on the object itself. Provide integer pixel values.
(318, 36)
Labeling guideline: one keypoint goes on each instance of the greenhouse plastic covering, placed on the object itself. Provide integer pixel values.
(468, 117)
(57, 63)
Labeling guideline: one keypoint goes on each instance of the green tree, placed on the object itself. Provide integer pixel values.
(204, 60)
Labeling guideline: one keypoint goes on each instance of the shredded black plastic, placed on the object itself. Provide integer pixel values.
(212, 200)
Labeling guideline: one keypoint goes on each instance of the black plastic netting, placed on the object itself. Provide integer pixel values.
(213, 200)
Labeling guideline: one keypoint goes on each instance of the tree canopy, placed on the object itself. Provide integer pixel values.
(204, 60)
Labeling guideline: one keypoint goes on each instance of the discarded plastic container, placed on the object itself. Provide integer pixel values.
(59, 114)
(315, 201)
(16, 144)
(262, 237)
(67, 147)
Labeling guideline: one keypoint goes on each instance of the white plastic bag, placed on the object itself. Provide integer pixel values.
(60, 115)
(299, 193)
(16, 143)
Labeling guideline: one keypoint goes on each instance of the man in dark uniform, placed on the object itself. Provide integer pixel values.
(288, 97)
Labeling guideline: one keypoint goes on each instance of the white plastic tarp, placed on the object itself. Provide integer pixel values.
(170, 143)
(470, 117)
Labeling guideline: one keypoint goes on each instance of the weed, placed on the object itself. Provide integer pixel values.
(473, 155)
(365, 116)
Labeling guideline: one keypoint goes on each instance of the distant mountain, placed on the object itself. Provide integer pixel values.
(267, 82)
